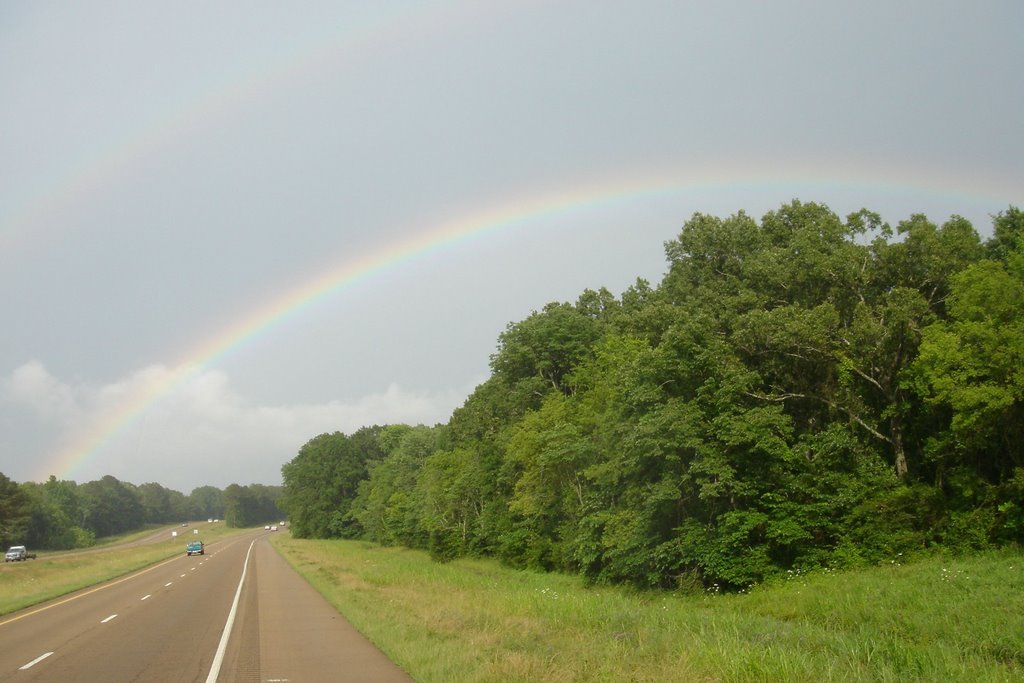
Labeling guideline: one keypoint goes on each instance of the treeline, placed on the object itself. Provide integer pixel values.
(797, 392)
(60, 514)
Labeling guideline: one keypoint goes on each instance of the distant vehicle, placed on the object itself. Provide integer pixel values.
(18, 553)
(266, 528)
(273, 528)
(195, 548)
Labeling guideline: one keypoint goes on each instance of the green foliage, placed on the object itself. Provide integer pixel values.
(110, 506)
(1008, 234)
(548, 344)
(898, 520)
(15, 512)
(971, 369)
(206, 502)
(57, 516)
(246, 506)
(798, 392)
(321, 482)
(386, 506)
(61, 514)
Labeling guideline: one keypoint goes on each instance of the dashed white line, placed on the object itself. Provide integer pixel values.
(146, 597)
(183, 576)
(112, 616)
(79, 596)
(35, 661)
(168, 584)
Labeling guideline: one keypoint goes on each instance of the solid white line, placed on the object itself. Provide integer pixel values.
(218, 659)
(146, 597)
(112, 616)
(35, 661)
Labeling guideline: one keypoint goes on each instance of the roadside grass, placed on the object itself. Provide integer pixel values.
(938, 619)
(104, 542)
(58, 573)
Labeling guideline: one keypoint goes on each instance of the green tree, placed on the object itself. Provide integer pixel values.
(156, 503)
(386, 506)
(15, 512)
(56, 516)
(1008, 234)
(207, 502)
(547, 345)
(321, 482)
(972, 367)
(797, 391)
(239, 506)
(110, 507)
(452, 489)
(246, 506)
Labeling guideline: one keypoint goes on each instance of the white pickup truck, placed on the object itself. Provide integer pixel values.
(16, 553)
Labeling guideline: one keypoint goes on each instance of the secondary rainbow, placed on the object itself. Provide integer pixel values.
(50, 200)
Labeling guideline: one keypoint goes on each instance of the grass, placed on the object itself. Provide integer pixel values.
(938, 619)
(57, 573)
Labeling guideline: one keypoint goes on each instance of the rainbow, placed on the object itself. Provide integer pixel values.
(85, 175)
(88, 175)
(371, 264)
(332, 282)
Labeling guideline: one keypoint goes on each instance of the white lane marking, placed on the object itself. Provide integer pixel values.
(218, 658)
(79, 596)
(112, 616)
(193, 569)
(35, 661)
(168, 584)
(183, 576)
(146, 597)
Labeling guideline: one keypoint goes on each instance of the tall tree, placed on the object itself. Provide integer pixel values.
(110, 506)
(156, 503)
(207, 502)
(547, 345)
(15, 512)
(973, 367)
(322, 480)
(387, 507)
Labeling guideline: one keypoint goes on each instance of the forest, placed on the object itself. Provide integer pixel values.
(797, 392)
(61, 514)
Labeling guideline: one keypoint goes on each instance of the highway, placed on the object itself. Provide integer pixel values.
(193, 619)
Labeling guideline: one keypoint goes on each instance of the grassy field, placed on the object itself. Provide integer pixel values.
(58, 573)
(472, 620)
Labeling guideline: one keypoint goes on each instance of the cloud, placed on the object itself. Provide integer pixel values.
(32, 386)
(202, 432)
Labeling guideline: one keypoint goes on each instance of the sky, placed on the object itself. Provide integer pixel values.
(226, 228)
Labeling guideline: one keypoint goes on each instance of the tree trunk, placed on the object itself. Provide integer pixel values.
(897, 447)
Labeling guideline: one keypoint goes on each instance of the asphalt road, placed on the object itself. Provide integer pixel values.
(193, 619)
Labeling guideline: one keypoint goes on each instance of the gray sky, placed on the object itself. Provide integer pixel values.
(171, 173)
